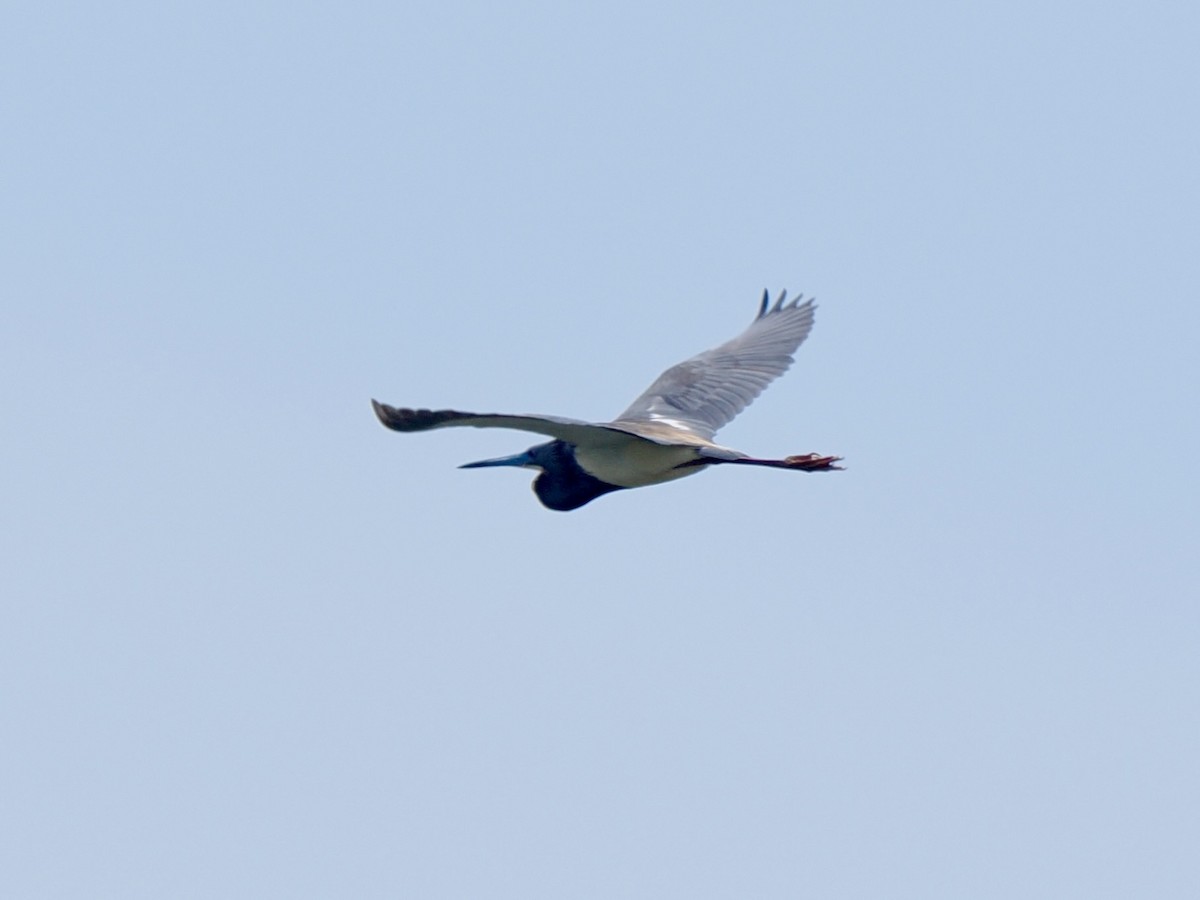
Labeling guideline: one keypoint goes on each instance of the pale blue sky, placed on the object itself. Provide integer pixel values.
(254, 645)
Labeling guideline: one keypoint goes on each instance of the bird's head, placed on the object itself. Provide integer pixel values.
(563, 484)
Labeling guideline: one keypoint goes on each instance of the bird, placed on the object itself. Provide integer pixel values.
(665, 434)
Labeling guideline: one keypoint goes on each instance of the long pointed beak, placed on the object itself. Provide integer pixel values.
(520, 459)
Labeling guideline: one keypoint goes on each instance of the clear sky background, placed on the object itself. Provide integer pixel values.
(254, 645)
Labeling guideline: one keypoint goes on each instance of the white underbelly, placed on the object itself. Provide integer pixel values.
(637, 463)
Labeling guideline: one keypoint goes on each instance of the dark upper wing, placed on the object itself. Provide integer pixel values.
(571, 430)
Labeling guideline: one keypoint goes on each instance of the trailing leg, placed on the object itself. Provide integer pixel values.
(809, 462)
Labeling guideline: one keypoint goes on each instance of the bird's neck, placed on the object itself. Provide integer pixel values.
(563, 484)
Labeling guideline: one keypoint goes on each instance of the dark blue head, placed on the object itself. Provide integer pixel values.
(563, 484)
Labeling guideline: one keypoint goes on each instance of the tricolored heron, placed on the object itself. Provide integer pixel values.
(665, 434)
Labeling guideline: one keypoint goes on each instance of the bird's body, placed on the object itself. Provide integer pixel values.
(635, 462)
(665, 434)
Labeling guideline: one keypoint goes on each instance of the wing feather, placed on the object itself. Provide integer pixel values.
(705, 393)
(573, 431)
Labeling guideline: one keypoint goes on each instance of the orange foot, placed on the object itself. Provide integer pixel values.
(814, 462)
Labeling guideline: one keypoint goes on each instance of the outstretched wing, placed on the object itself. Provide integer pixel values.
(704, 393)
(571, 430)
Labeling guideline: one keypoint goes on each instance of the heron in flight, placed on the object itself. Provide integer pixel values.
(665, 434)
